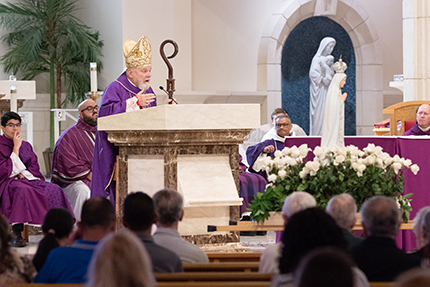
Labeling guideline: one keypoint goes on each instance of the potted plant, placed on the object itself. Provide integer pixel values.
(361, 173)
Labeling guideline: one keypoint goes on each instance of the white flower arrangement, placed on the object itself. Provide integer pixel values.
(362, 173)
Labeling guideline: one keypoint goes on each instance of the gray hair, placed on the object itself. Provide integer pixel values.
(343, 209)
(168, 205)
(381, 216)
(419, 221)
(298, 201)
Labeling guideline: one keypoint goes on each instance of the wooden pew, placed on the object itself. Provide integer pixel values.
(381, 284)
(234, 257)
(211, 276)
(222, 267)
(212, 284)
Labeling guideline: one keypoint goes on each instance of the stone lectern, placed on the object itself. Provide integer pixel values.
(191, 148)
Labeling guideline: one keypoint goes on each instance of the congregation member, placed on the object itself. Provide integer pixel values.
(73, 157)
(138, 217)
(268, 147)
(129, 92)
(272, 133)
(69, 264)
(56, 228)
(25, 195)
(120, 260)
(422, 126)
(15, 268)
(295, 202)
(378, 255)
(325, 267)
(343, 209)
(169, 209)
(307, 231)
(421, 228)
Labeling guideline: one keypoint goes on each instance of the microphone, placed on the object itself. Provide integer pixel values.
(161, 88)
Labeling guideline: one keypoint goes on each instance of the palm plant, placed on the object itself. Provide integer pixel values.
(45, 36)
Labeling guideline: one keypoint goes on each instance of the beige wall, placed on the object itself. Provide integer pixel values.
(218, 42)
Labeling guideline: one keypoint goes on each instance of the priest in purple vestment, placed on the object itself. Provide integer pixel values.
(422, 126)
(129, 92)
(25, 195)
(283, 128)
(73, 157)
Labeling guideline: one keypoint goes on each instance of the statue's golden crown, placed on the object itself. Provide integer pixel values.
(340, 66)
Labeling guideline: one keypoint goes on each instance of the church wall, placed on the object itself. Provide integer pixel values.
(219, 43)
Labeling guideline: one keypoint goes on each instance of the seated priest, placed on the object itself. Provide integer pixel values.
(25, 195)
(295, 129)
(283, 128)
(73, 157)
(422, 126)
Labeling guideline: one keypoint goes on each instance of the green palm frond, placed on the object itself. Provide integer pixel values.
(46, 36)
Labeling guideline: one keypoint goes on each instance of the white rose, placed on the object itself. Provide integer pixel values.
(359, 174)
(286, 151)
(407, 162)
(361, 168)
(319, 151)
(388, 161)
(370, 160)
(291, 161)
(379, 162)
(378, 150)
(370, 148)
(272, 178)
(266, 160)
(415, 169)
(396, 158)
(295, 152)
(303, 173)
(304, 150)
(360, 161)
(397, 166)
(340, 159)
(278, 153)
(282, 173)
(313, 173)
(342, 151)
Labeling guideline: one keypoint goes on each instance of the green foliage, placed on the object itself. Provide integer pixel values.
(328, 175)
(45, 36)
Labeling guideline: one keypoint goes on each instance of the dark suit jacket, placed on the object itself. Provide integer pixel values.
(381, 260)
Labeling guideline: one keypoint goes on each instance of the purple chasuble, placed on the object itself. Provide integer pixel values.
(113, 102)
(416, 131)
(253, 152)
(250, 185)
(73, 154)
(22, 200)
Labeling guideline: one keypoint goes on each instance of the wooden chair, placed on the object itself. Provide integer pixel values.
(234, 257)
(381, 284)
(404, 111)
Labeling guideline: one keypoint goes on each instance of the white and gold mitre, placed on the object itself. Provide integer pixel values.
(137, 54)
(340, 66)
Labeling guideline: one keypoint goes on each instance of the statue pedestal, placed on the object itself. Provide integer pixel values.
(190, 148)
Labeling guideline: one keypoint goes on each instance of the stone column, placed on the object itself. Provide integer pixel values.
(416, 41)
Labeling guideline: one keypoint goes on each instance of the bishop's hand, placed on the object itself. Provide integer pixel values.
(145, 99)
(269, 149)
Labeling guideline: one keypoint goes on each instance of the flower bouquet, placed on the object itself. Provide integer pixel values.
(361, 173)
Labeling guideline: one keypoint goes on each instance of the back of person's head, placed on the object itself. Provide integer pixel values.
(417, 277)
(138, 211)
(421, 226)
(297, 201)
(343, 209)
(97, 212)
(6, 258)
(9, 116)
(306, 231)
(168, 205)
(120, 260)
(325, 267)
(380, 216)
(58, 224)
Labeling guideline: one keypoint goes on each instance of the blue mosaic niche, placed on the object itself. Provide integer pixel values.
(299, 48)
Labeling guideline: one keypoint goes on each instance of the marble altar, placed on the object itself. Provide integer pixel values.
(191, 148)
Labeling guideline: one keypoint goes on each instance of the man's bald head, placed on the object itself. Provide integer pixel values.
(423, 116)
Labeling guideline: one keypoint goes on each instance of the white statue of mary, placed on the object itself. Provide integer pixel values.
(320, 75)
(334, 115)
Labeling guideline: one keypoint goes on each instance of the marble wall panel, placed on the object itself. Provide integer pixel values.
(145, 173)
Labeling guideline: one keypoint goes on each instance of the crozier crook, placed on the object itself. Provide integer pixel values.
(170, 80)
